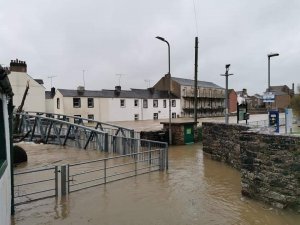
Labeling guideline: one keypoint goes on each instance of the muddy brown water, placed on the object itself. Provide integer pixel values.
(195, 190)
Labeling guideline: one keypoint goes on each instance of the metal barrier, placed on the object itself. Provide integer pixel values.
(97, 172)
(265, 123)
(135, 157)
(29, 186)
(143, 157)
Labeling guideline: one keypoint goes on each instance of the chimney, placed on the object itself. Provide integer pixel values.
(52, 91)
(80, 90)
(18, 66)
(117, 90)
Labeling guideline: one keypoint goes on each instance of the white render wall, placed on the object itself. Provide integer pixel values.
(5, 185)
(35, 100)
(109, 109)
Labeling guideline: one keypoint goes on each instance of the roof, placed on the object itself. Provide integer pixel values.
(133, 93)
(40, 81)
(189, 82)
(280, 90)
(48, 95)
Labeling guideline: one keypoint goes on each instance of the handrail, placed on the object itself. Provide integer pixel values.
(65, 122)
(81, 118)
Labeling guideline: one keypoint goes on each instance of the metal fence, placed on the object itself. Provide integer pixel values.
(43, 183)
(32, 185)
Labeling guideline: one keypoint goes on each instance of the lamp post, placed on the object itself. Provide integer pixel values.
(269, 56)
(169, 89)
(226, 92)
(269, 85)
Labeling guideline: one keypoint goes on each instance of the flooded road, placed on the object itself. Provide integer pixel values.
(195, 190)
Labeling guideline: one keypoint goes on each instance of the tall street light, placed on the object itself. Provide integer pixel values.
(269, 85)
(226, 92)
(269, 56)
(169, 90)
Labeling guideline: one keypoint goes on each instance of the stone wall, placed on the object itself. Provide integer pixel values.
(222, 141)
(270, 169)
(269, 163)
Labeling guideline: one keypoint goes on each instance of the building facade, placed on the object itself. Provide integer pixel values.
(210, 97)
(115, 105)
(283, 96)
(5, 144)
(35, 99)
(232, 101)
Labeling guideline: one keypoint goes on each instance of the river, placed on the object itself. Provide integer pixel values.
(195, 190)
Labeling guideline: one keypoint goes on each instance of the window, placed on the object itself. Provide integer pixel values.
(136, 102)
(76, 103)
(77, 120)
(173, 115)
(3, 163)
(136, 116)
(165, 103)
(57, 103)
(145, 103)
(155, 103)
(90, 117)
(122, 102)
(90, 102)
(173, 103)
(155, 116)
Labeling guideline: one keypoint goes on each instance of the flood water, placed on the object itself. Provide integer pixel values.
(195, 190)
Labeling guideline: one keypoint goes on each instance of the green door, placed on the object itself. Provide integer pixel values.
(188, 134)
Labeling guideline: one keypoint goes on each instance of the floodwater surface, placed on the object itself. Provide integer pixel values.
(195, 190)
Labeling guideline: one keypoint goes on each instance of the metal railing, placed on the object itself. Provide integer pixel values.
(144, 157)
(32, 185)
(264, 123)
(97, 172)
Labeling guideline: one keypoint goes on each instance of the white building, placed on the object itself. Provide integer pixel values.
(5, 161)
(114, 105)
(35, 99)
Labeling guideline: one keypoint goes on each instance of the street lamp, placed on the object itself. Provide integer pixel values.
(169, 90)
(269, 56)
(226, 92)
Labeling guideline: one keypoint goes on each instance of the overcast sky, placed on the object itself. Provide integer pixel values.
(64, 37)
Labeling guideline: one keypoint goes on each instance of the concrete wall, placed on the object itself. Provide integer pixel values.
(5, 179)
(269, 164)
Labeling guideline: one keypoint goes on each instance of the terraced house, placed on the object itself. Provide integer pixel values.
(210, 97)
(113, 105)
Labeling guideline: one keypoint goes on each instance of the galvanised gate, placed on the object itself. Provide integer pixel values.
(127, 156)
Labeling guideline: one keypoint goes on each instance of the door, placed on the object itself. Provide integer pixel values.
(188, 134)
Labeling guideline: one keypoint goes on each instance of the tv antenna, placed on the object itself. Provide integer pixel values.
(83, 72)
(148, 82)
(51, 77)
(120, 76)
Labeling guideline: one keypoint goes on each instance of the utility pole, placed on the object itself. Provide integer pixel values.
(196, 81)
(226, 92)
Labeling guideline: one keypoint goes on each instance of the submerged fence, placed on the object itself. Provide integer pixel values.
(43, 183)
